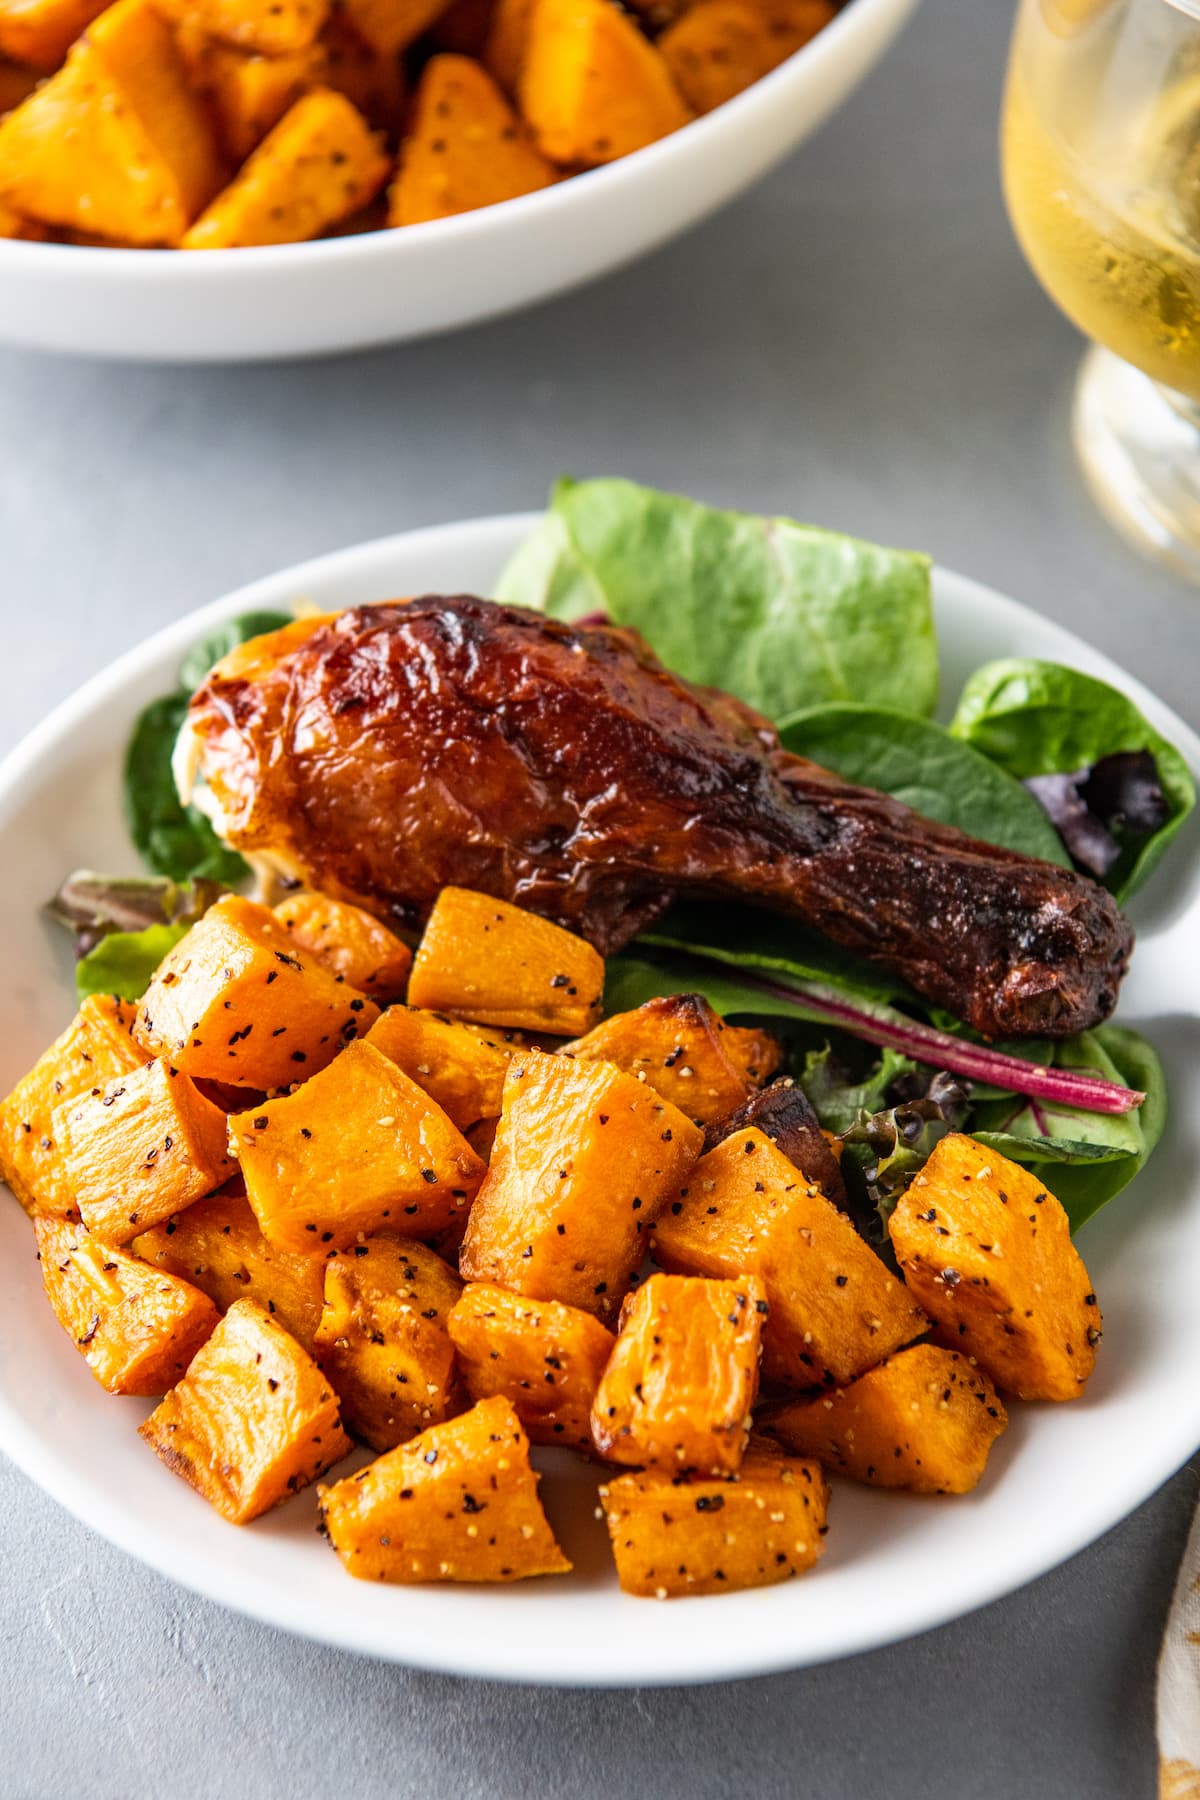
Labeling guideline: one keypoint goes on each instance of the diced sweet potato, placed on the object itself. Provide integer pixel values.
(583, 1159)
(115, 143)
(392, 25)
(458, 1503)
(507, 42)
(461, 1069)
(754, 1050)
(783, 1113)
(485, 960)
(676, 1043)
(218, 1247)
(348, 942)
(836, 1308)
(373, 81)
(592, 87)
(96, 1047)
(924, 1419)
(248, 92)
(711, 1536)
(719, 47)
(358, 1148)
(252, 1421)
(16, 226)
(987, 1250)
(546, 1358)
(40, 32)
(272, 27)
(681, 1381)
(465, 147)
(138, 1327)
(383, 1340)
(463, 27)
(143, 1148)
(318, 165)
(237, 1001)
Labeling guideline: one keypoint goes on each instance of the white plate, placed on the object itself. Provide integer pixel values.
(386, 286)
(894, 1564)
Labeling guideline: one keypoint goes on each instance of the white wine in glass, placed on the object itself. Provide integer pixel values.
(1101, 154)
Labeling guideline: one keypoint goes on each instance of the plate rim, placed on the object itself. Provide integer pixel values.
(546, 1664)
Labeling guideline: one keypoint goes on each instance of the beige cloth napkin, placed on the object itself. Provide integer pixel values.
(1179, 1683)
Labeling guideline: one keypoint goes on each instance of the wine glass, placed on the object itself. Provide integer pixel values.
(1101, 159)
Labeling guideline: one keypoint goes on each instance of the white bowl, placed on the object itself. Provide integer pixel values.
(382, 287)
(895, 1563)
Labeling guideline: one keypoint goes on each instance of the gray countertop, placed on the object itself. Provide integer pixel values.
(858, 343)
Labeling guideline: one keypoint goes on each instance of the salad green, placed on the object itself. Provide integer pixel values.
(174, 839)
(1038, 718)
(780, 614)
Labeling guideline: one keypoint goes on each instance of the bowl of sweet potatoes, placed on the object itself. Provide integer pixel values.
(208, 180)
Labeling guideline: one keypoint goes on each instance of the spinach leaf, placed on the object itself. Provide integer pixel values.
(920, 764)
(1039, 718)
(173, 839)
(780, 614)
(1099, 1161)
(123, 962)
(749, 939)
(208, 652)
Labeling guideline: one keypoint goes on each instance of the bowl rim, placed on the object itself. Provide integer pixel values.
(706, 133)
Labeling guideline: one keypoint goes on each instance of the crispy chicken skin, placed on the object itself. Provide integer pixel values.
(383, 752)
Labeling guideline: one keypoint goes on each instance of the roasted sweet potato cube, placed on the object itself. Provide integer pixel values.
(143, 1148)
(987, 1250)
(485, 960)
(237, 1001)
(836, 1308)
(924, 1419)
(757, 1052)
(462, 1070)
(458, 1503)
(546, 1358)
(676, 1043)
(253, 1421)
(16, 226)
(465, 147)
(40, 32)
(137, 1326)
(784, 1113)
(719, 47)
(348, 942)
(714, 1535)
(96, 1047)
(115, 143)
(247, 92)
(592, 86)
(507, 42)
(272, 27)
(583, 1159)
(321, 163)
(682, 1378)
(218, 1247)
(358, 1148)
(384, 1341)
(372, 80)
(392, 25)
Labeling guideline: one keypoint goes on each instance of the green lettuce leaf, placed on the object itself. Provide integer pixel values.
(173, 839)
(780, 614)
(123, 962)
(920, 764)
(1039, 718)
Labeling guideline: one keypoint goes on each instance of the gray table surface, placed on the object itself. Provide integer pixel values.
(856, 342)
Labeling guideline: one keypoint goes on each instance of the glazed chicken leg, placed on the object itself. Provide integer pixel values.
(384, 752)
